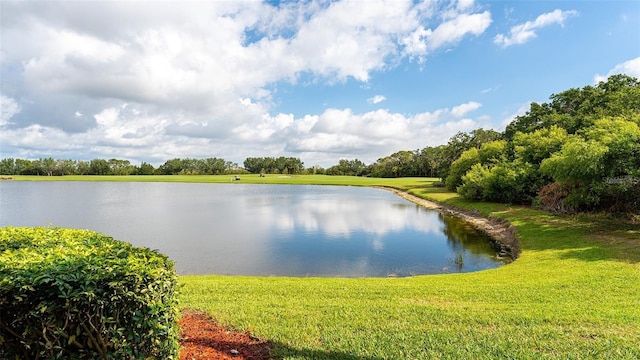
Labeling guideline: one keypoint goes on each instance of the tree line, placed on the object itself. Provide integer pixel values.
(53, 167)
(580, 151)
(428, 162)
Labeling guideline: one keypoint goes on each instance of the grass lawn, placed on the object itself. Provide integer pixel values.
(402, 183)
(574, 293)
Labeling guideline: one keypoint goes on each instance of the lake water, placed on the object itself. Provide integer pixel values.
(238, 229)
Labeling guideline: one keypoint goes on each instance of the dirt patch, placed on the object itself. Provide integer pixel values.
(501, 232)
(202, 338)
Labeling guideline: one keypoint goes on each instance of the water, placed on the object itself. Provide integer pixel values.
(238, 229)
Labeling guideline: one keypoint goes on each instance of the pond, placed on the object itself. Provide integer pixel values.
(267, 230)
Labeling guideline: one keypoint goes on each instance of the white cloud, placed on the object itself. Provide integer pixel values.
(317, 139)
(452, 31)
(630, 67)
(376, 99)
(462, 109)
(8, 108)
(422, 41)
(157, 80)
(522, 33)
(464, 4)
(340, 133)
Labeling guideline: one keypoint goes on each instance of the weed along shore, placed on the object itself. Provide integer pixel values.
(571, 292)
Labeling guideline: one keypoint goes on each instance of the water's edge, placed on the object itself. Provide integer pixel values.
(501, 232)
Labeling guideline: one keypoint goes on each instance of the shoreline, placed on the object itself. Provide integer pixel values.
(502, 233)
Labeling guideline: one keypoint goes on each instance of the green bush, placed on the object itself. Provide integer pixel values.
(460, 167)
(82, 295)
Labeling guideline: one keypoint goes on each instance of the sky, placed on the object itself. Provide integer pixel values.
(316, 80)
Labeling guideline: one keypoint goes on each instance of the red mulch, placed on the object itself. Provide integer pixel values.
(202, 338)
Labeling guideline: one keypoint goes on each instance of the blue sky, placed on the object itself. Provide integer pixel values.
(318, 80)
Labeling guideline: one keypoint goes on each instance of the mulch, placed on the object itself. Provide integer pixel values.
(203, 338)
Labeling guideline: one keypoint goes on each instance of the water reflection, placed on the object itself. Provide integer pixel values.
(259, 229)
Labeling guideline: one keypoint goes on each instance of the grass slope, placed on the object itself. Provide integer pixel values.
(574, 293)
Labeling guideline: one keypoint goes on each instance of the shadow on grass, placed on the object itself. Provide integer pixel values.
(283, 351)
(202, 338)
(586, 237)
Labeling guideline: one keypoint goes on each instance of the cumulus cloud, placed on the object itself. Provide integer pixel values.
(629, 67)
(422, 41)
(320, 139)
(462, 109)
(8, 108)
(519, 34)
(376, 99)
(157, 80)
(340, 133)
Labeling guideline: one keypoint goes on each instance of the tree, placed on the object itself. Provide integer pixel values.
(533, 120)
(580, 151)
(83, 168)
(538, 145)
(21, 165)
(212, 166)
(121, 167)
(435, 159)
(8, 166)
(575, 109)
(278, 165)
(622, 138)
(462, 142)
(171, 167)
(504, 182)
(399, 164)
(65, 167)
(99, 167)
(47, 165)
(600, 168)
(145, 169)
(460, 167)
(348, 167)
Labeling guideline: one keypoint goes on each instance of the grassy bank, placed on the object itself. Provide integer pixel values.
(574, 293)
(403, 183)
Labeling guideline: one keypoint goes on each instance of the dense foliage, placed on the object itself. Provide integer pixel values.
(348, 167)
(208, 166)
(79, 294)
(271, 165)
(53, 167)
(580, 152)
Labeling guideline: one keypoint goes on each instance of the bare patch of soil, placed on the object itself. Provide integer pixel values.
(202, 338)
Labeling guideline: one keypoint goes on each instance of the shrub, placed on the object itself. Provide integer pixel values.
(473, 182)
(551, 198)
(79, 294)
(460, 167)
(503, 182)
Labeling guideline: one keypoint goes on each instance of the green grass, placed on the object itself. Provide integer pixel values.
(400, 183)
(574, 293)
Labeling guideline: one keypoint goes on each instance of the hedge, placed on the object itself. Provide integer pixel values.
(78, 294)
